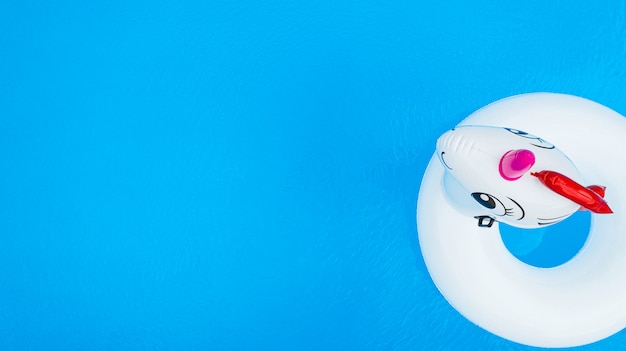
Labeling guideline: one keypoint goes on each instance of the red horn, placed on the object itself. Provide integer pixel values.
(568, 188)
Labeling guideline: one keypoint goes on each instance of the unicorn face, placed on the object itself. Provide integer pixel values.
(492, 165)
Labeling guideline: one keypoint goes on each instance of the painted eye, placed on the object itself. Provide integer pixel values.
(521, 133)
(543, 144)
(537, 141)
(493, 204)
(485, 200)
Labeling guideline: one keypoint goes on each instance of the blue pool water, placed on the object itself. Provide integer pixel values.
(226, 175)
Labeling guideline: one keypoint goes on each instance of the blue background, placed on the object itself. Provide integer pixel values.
(229, 175)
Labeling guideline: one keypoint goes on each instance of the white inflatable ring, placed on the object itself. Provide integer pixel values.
(579, 302)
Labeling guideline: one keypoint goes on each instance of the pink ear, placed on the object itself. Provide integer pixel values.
(515, 163)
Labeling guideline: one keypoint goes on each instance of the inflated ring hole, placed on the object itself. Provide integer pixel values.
(549, 246)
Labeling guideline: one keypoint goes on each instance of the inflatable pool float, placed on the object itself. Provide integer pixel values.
(528, 161)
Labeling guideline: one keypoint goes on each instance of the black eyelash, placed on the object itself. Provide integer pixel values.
(508, 211)
(520, 207)
(546, 223)
(550, 219)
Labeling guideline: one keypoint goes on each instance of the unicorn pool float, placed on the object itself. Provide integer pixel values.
(527, 161)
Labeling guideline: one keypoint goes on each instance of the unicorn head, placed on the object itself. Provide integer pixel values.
(492, 167)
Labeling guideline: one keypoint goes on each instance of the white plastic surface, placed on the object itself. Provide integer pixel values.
(579, 302)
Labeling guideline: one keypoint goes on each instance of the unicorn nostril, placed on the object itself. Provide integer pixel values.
(515, 163)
